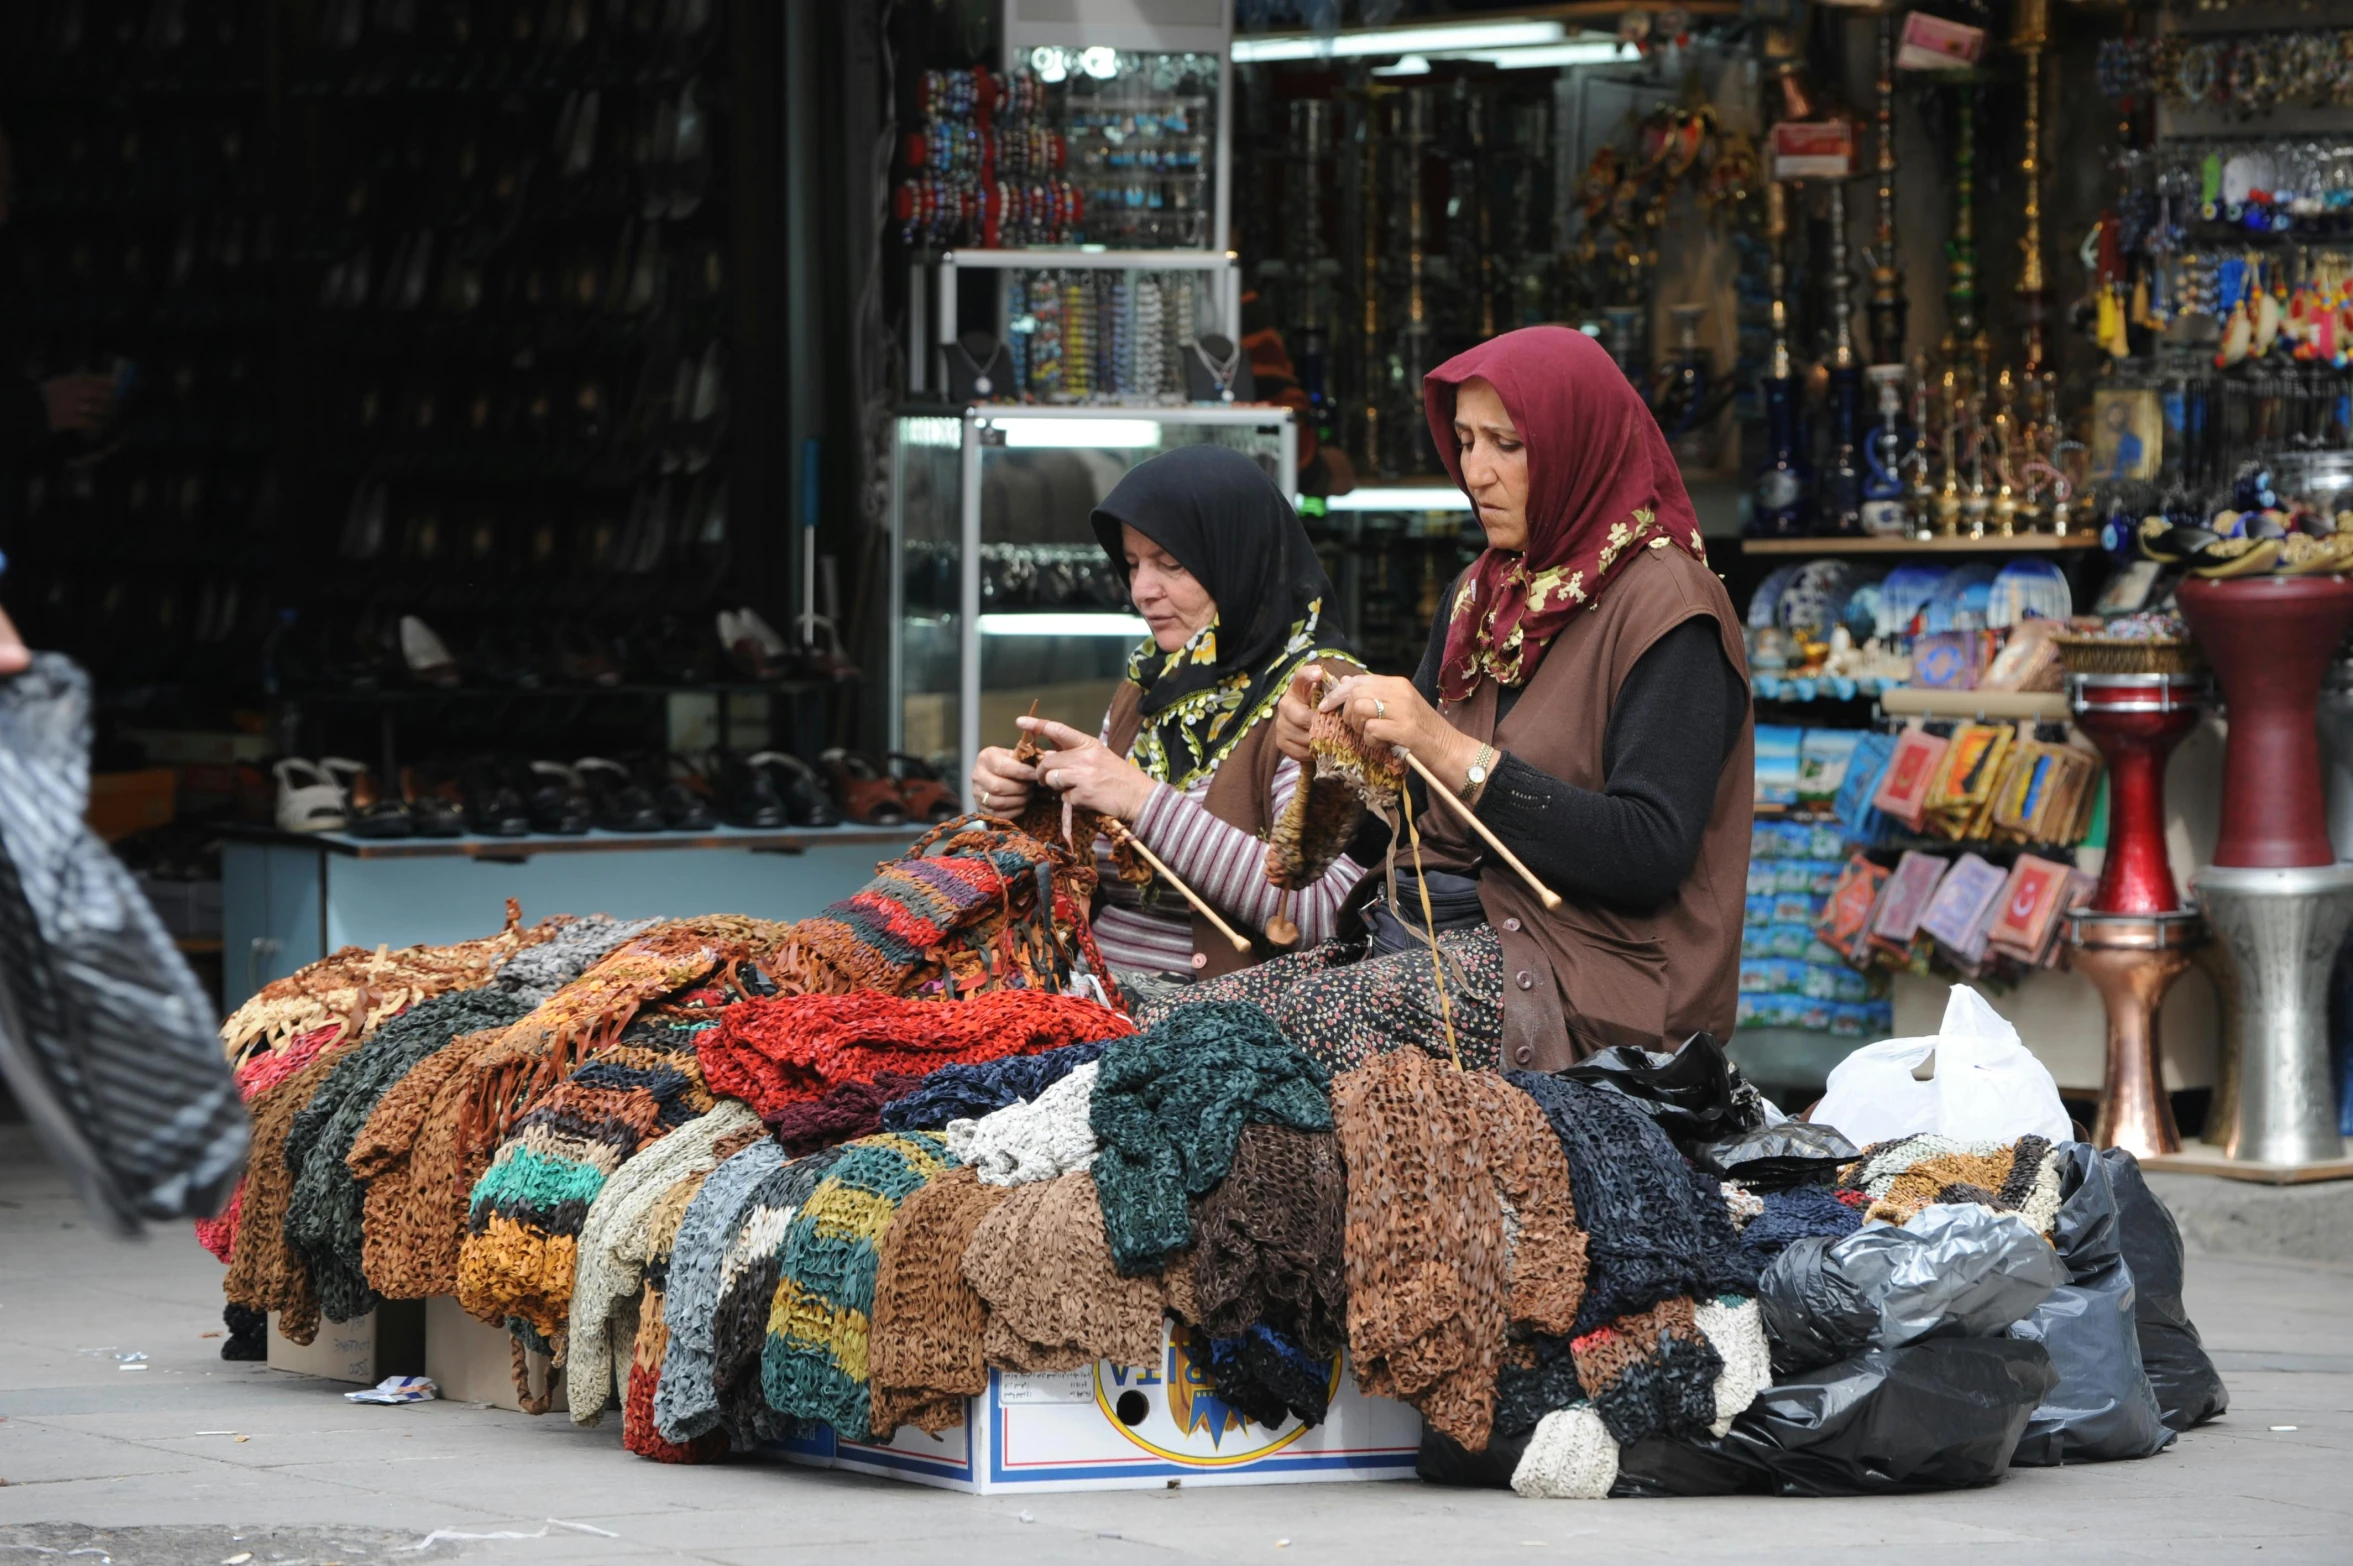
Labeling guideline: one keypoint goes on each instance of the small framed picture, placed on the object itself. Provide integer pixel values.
(2128, 434)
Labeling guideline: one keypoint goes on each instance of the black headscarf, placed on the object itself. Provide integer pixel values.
(1223, 520)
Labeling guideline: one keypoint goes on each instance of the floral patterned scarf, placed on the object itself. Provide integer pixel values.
(1224, 520)
(1601, 484)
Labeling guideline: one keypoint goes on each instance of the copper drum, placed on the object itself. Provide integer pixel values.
(2132, 961)
(2136, 720)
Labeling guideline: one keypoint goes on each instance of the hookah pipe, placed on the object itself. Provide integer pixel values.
(1414, 338)
(1887, 270)
(2032, 36)
(1843, 484)
(1967, 334)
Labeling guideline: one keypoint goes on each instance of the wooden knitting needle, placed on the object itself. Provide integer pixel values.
(1544, 894)
(1119, 832)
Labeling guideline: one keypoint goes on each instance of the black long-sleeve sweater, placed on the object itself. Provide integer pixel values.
(1676, 719)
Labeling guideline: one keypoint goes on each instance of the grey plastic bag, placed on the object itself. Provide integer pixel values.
(2103, 1408)
(1956, 1270)
(105, 1037)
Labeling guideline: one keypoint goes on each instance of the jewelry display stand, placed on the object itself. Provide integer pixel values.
(2135, 939)
(2275, 893)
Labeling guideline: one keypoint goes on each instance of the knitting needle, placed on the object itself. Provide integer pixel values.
(1119, 832)
(1544, 894)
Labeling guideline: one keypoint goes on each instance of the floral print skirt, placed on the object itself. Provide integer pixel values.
(1344, 1008)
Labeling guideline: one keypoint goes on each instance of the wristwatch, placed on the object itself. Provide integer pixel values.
(1475, 776)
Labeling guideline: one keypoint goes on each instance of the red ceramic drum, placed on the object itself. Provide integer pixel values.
(2270, 640)
(2136, 720)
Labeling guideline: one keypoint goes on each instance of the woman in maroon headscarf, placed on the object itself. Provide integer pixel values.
(1587, 694)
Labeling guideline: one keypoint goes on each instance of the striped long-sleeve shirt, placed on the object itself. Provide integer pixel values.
(1223, 863)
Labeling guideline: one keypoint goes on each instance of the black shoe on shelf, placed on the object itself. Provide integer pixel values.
(684, 806)
(371, 813)
(747, 794)
(434, 812)
(617, 802)
(493, 807)
(803, 792)
(553, 795)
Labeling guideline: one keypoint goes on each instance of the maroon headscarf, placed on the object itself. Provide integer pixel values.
(1601, 481)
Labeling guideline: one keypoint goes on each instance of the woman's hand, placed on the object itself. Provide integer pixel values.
(13, 657)
(1389, 711)
(1001, 786)
(1087, 773)
(1296, 711)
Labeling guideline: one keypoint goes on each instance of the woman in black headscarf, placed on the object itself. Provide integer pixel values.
(1219, 567)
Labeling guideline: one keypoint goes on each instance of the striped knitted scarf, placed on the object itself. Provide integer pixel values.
(793, 1050)
(697, 1262)
(747, 1297)
(525, 1214)
(972, 906)
(323, 1218)
(1169, 1106)
(815, 1363)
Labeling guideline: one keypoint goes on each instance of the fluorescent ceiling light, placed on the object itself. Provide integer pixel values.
(1553, 56)
(1274, 47)
(1117, 433)
(1418, 498)
(1127, 627)
(1411, 65)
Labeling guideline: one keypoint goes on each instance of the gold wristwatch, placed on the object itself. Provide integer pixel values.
(1475, 776)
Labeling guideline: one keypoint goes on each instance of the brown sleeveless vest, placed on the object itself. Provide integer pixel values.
(1585, 977)
(1241, 794)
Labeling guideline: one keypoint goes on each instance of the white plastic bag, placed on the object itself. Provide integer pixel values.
(1984, 1086)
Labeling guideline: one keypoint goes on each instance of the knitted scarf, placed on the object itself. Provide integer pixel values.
(815, 1363)
(747, 1296)
(793, 1050)
(360, 988)
(925, 1345)
(1268, 1376)
(847, 1111)
(649, 1350)
(1348, 776)
(969, 1092)
(685, 1401)
(1801, 1212)
(324, 1212)
(265, 1273)
(1043, 1264)
(1024, 1143)
(536, 972)
(525, 1214)
(973, 906)
(617, 1241)
(256, 1076)
(414, 1214)
(1169, 1106)
(1271, 1237)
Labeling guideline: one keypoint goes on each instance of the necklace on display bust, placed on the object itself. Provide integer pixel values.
(1222, 369)
(983, 384)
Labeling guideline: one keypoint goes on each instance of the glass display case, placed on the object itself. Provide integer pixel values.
(1000, 594)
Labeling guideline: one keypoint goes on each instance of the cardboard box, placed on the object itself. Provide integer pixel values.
(387, 1341)
(471, 1362)
(1112, 1427)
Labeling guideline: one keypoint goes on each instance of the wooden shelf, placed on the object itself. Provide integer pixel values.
(1917, 701)
(1991, 544)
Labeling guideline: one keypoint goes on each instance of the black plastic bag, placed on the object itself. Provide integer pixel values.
(1956, 1270)
(1444, 1460)
(2189, 1389)
(2103, 1409)
(1941, 1414)
(1775, 1157)
(1696, 1094)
